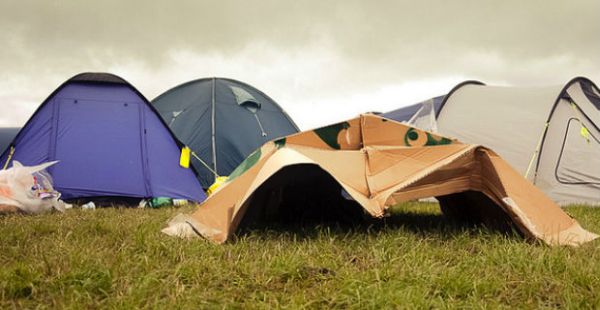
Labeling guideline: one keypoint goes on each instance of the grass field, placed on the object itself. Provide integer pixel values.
(109, 258)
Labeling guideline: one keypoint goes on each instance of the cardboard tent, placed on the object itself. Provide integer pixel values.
(222, 121)
(109, 142)
(551, 135)
(379, 163)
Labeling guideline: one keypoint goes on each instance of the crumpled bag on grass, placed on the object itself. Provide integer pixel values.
(28, 189)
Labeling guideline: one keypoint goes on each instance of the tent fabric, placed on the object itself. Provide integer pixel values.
(404, 114)
(421, 115)
(109, 141)
(549, 134)
(379, 163)
(7, 134)
(222, 121)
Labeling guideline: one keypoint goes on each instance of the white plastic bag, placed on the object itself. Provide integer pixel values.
(29, 189)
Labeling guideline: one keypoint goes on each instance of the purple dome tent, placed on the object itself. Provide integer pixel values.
(109, 142)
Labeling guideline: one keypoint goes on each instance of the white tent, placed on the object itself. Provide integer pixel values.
(550, 134)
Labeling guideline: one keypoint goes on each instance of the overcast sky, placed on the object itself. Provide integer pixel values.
(323, 61)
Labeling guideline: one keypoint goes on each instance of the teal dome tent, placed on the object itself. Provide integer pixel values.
(222, 121)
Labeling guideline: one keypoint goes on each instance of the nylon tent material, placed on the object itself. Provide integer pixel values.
(405, 114)
(109, 142)
(222, 121)
(378, 163)
(550, 134)
(7, 134)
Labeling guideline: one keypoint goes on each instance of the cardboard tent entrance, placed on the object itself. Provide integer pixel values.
(379, 163)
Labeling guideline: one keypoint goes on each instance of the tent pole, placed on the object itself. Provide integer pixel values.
(536, 152)
(214, 143)
(204, 164)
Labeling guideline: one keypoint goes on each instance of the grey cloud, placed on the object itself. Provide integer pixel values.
(375, 42)
(376, 32)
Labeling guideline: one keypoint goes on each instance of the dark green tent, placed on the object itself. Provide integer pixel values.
(7, 134)
(222, 121)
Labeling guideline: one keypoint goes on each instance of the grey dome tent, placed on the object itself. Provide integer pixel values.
(222, 121)
(550, 134)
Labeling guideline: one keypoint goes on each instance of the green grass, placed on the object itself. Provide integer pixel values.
(117, 258)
